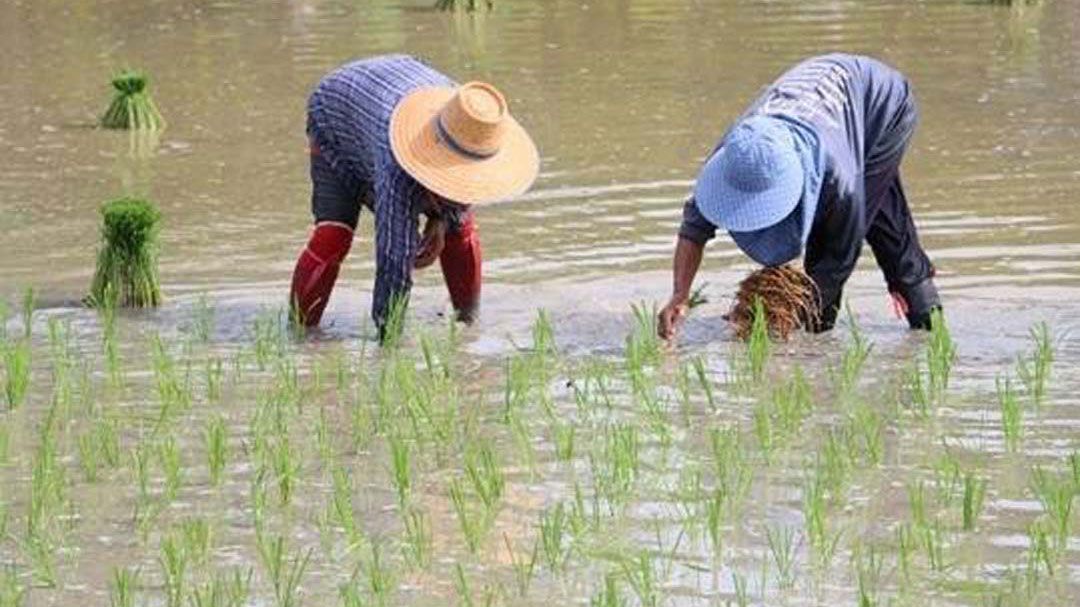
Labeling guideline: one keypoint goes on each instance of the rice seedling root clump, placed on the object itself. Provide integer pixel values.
(789, 297)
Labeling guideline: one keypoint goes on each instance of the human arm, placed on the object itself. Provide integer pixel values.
(685, 265)
(462, 261)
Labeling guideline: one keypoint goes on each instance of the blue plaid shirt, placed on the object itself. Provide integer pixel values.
(349, 120)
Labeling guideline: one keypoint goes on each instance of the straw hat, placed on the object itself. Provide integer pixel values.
(462, 143)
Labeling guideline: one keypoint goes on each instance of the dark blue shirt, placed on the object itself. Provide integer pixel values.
(863, 114)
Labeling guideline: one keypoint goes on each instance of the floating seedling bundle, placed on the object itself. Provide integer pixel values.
(127, 262)
(132, 107)
(788, 296)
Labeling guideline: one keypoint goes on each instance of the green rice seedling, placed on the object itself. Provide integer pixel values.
(934, 543)
(715, 517)
(12, 592)
(615, 472)
(132, 107)
(174, 561)
(109, 342)
(461, 586)
(758, 345)
(285, 571)
(791, 403)
(127, 261)
(524, 566)
(1057, 494)
(485, 476)
(868, 575)
(1042, 557)
(418, 544)
(40, 551)
(563, 435)
(394, 327)
(340, 509)
(285, 464)
(380, 578)
(867, 433)
(733, 473)
(16, 371)
(174, 394)
(608, 595)
(123, 587)
(918, 391)
(1035, 372)
(553, 538)
(89, 456)
(639, 571)
(172, 464)
(400, 468)
(782, 547)
(940, 354)
(846, 374)
(472, 527)
(974, 494)
(916, 494)
(215, 377)
(907, 544)
(643, 344)
(197, 536)
(1012, 414)
(742, 595)
(948, 479)
(223, 590)
(202, 324)
(1074, 464)
(217, 448)
(763, 430)
(703, 380)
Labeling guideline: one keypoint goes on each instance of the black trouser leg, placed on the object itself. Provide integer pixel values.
(895, 243)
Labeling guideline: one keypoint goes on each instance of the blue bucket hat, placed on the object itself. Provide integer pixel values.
(754, 180)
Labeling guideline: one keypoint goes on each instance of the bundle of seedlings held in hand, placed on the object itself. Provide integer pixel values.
(132, 107)
(127, 262)
(788, 296)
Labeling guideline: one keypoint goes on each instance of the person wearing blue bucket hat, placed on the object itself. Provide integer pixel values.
(812, 169)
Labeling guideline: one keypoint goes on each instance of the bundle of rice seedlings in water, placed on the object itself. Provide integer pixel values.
(127, 263)
(788, 295)
(132, 107)
(468, 5)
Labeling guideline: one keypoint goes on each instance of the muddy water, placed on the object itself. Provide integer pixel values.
(624, 99)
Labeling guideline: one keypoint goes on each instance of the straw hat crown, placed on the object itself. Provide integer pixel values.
(463, 144)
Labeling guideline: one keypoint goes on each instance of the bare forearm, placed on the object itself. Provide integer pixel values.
(687, 261)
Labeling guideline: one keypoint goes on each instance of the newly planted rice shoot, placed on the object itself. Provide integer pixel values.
(608, 595)
(553, 538)
(16, 356)
(127, 262)
(123, 587)
(1034, 370)
(132, 107)
(1057, 493)
(974, 494)
(486, 477)
(417, 546)
(640, 573)
(758, 343)
(940, 354)
(284, 570)
(473, 525)
(782, 548)
(12, 592)
(524, 565)
(174, 561)
(217, 448)
(1012, 414)
(846, 374)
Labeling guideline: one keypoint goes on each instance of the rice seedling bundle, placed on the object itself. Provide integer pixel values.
(132, 107)
(788, 295)
(127, 261)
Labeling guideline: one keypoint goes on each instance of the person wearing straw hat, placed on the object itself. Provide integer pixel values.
(397, 137)
(812, 168)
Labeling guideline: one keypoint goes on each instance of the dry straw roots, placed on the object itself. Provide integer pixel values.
(788, 294)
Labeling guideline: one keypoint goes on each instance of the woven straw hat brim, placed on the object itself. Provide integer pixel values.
(418, 149)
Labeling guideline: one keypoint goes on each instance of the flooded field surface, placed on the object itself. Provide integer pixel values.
(202, 455)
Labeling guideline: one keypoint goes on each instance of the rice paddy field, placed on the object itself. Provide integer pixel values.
(204, 454)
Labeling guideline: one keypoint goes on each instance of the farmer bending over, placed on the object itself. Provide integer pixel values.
(814, 163)
(399, 138)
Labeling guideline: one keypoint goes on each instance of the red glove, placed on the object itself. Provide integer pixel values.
(317, 269)
(461, 261)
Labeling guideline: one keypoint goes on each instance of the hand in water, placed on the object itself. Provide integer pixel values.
(671, 317)
(431, 246)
